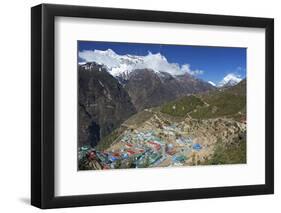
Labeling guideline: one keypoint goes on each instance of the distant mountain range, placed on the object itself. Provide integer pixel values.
(121, 66)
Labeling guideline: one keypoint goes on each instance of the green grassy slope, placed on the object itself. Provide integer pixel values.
(222, 102)
(182, 106)
(226, 102)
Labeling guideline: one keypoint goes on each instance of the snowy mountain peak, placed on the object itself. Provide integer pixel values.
(230, 79)
(123, 65)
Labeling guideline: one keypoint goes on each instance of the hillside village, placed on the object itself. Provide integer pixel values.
(166, 136)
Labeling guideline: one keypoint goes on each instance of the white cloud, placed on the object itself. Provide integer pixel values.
(212, 83)
(119, 64)
(101, 57)
(230, 79)
(186, 68)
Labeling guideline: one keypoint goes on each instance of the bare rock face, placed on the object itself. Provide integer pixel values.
(149, 89)
(146, 89)
(103, 104)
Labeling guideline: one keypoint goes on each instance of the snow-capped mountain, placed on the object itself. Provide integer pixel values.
(122, 65)
(149, 80)
(229, 80)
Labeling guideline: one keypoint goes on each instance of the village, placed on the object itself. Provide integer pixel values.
(161, 143)
(141, 150)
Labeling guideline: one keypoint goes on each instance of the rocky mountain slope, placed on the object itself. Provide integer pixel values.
(103, 104)
(149, 89)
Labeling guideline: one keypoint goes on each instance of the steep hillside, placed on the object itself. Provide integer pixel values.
(103, 104)
(149, 89)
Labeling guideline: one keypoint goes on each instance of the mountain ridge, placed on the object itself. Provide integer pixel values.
(122, 65)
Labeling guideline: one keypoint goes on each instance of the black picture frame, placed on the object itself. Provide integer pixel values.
(43, 102)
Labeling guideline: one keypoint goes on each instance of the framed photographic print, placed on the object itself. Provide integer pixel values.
(139, 106)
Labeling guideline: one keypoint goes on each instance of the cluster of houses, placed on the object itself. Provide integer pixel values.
(141, 149)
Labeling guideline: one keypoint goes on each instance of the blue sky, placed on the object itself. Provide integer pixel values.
(216, 62)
